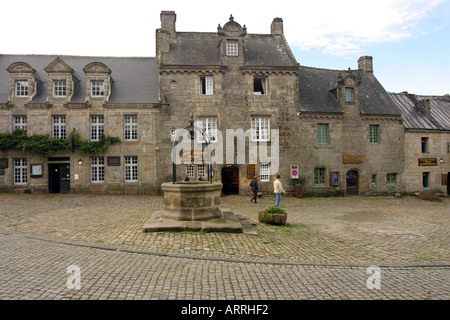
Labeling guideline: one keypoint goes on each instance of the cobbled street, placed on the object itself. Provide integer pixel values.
(324, 252)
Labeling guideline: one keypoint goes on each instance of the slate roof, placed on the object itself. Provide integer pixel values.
(202, 49)
(415, 118)
(316, 92)
(134, 80)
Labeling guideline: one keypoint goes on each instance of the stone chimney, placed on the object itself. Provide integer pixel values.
(168, 19)
(365, 64)
(276, 28)
(425, 106)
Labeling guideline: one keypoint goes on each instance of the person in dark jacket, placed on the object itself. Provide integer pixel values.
(254, 186)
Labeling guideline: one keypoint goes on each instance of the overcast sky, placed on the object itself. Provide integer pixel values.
(408, 40)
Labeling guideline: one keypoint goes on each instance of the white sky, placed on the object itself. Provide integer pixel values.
(332, 30)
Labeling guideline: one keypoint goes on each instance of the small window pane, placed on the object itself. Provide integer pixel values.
(20, 122)
(22, 88)
(20, 171)
(374, 134)
(131, 169)
(131, 129)
(264, 172)
(59, 88)
(232, 47)
(322, 133)
(349, 95)
(319, 176)
(59, 127)
(97, 88)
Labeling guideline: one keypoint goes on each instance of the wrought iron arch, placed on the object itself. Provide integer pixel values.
(191, 127)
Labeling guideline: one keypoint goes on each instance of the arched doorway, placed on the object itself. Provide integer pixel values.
(230, 180)
(352, 183)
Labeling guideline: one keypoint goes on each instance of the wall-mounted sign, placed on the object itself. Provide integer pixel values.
(113, 161)
(250, 171)
(193, 156)
(353, 159)
(334, 178)
(36, 171)
(3, 163)
(295, 172)
(428, 162)
(2, 172)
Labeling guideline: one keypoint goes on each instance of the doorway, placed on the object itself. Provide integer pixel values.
(59, 178)
(230, 180)
(448, 183)
(352, 183)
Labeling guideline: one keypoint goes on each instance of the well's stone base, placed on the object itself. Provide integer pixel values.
(195, 206)
(230, 223)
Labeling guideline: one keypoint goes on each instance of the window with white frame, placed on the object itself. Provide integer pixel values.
(20, 171)
(190, 170)
(201, 170)
(131, 128)
(131, 169)
(59, 88)
(20, 122)
(232, 47)
(209, 125)
(59, 127)
(264, 172)
(97, 88)
(206, 85)
(97, 169)
(260, 129)
(97, 127)
(21, 88)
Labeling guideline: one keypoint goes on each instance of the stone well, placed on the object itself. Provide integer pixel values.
(195, 206)
(191, 201)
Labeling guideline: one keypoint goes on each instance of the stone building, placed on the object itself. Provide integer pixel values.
(427, 142)
(350, 136)
(332, 131)
(55, 96)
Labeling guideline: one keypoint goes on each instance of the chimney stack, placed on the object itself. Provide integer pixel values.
(276, 28)
(168, 19)
(365, 64)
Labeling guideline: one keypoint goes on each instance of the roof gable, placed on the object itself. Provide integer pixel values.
(58, 66)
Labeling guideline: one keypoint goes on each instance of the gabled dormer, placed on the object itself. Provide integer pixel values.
(347, 87)
(231, 41)
(98, 82)
(61, 82)
(23, 82)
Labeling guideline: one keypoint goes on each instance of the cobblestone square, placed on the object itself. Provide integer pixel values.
(323, 253)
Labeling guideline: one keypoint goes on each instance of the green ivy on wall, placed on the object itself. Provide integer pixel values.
(46, 146)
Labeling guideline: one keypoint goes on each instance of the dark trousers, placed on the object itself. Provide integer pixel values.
(255, 195)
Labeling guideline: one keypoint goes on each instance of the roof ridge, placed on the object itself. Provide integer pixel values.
(76, 56)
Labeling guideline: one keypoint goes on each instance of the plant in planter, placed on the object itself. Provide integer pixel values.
(273, 215)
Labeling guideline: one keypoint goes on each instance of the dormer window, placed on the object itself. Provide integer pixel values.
(349, 95)
(98, 82)
(232, 48)
(59, 89)
(21, 88)
(97, 88)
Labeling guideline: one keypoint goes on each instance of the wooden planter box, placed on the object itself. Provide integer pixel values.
(276, 219)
